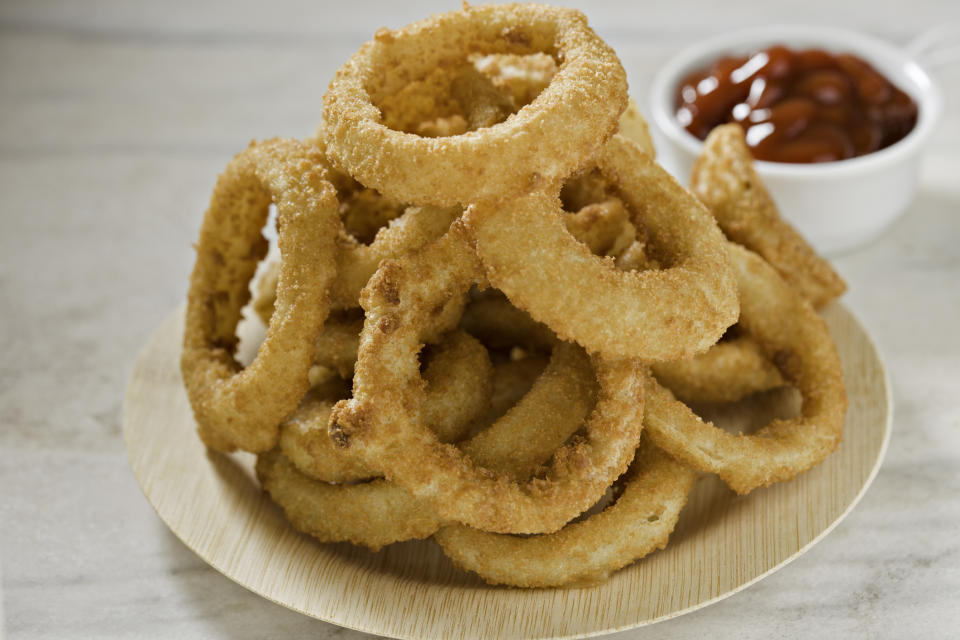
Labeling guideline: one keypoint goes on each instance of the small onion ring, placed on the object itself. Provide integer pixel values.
(381, 421)
(798, 342)
(654, 315)
(579, 108)
(243, 407)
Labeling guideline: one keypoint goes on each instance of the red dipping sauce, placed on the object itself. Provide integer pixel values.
(798, 105)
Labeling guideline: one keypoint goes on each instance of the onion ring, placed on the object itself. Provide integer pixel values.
(655, 489)
(729, 370)
(459, 386)
(336, 346)
(243, 407)
(380, 512)
(798, 342)
(724, 179)
(580, 106)
(655, 315)
(380, 422)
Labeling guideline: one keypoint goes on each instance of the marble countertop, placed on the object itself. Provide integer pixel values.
(116, 117)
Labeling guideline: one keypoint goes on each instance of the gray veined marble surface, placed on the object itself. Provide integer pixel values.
(115, 118)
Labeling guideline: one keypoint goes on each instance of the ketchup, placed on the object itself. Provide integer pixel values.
(798, 106)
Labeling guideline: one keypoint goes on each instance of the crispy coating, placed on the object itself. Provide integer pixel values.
(381, 421)
(237, 407)
(661, 314)
(798, 342)
(725, 180)
(365, 212)
(336, 346)
(459, 378)
(583, 100)
(726, 372)
(481, 101)
(639, 521)
(423, 99)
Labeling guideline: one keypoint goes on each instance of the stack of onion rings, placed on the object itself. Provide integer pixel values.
(491, 305)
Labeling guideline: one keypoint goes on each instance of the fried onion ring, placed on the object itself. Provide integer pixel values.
(725, 180)
(729, 370)
(580, 106)
(640, 521)
(656, 314)
(243, 407)
(798, 342)
(380, 512)
(381, 421)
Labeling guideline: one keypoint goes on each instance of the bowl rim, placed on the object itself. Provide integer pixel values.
(920, 85)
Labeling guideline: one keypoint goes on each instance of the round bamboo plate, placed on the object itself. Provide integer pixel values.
(722, 543)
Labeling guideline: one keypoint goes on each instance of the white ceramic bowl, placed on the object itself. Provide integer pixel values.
(836, 205)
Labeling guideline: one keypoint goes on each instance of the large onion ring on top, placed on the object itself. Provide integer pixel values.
(381, 423)
(798, 343)
(663, 314)
(544, 142)
(237, 407)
